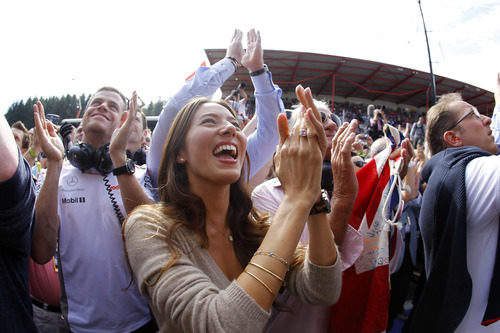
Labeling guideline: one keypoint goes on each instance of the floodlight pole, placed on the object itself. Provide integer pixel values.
(433, 82)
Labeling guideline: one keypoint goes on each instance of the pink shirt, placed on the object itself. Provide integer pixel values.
(267, 197)
(303, 317)
(44, 282)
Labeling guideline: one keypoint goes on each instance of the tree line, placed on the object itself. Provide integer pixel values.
(65, 106)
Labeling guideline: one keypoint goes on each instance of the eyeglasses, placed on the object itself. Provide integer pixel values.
(324, 116)
(465, 115)
(359, 164)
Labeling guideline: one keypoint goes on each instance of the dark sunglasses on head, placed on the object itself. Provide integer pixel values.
(324, 116)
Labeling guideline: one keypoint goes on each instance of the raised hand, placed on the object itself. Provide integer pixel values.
(298, 157)
(407, 153)
(119, 139)
(235, 48)
(253, 58)
(345, 186)
(306, 99)
(50, 142)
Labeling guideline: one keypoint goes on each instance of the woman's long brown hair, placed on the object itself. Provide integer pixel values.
(184, 209)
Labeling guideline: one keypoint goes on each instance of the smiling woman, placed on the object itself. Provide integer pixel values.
(203, 256)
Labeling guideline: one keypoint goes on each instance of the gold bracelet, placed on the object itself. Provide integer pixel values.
(273, 255)
(268, 271)
(261, 282)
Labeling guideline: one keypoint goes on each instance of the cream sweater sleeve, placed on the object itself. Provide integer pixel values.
(192, 295)
(317, 285)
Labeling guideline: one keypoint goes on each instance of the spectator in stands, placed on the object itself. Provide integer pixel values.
(238, 100)
(417, 133)
(377, 122)
(136, 150)
(357, 161)
(45, 287)
(17, 199)
(80, 201)
(207, 80)
(21, 136)
(206, 260)
(29, 148)
(459, 220)
(268, 196)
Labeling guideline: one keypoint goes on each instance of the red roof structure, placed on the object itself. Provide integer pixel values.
(334, 76)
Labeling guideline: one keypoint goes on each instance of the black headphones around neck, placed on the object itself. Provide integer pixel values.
(139, 157)
(84, 157)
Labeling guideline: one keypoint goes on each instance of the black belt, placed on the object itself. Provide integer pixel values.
(45, 306)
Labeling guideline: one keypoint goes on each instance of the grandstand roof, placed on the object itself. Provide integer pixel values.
(355, 78)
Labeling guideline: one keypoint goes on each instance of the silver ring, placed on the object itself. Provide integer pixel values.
(303, 132)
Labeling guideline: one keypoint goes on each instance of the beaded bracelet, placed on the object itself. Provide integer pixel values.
(273, 255)
(261, 282)
(267, 271)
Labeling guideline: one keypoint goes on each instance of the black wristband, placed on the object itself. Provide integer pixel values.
(260, 71)
(235, 62)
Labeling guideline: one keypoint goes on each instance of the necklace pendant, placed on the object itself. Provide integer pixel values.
(230, 237)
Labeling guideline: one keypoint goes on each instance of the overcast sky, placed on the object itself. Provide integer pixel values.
(51, 48)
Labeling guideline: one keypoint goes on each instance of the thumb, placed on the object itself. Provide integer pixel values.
(283, 129)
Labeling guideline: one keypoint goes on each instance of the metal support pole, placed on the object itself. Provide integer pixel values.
(433, 82)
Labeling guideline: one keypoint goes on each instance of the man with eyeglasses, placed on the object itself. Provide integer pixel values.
(459, 222)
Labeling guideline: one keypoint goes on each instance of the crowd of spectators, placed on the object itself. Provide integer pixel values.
(244, 214)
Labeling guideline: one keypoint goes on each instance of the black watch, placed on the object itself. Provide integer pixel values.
(260, 71)
(128, 168)
(322, 206)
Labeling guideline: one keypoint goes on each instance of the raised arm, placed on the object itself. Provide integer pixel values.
(322, 248)
(344, 178)
(47, 219)
(8, 150)
(205, 82)
(16, 198)
(268, 105)
(131, 191)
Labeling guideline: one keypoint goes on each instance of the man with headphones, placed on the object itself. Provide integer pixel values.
(79, 210)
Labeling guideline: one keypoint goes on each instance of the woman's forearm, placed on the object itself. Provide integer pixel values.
(322, 249)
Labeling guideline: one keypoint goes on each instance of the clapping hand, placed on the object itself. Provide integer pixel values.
(253, 57)
(50, 142)
(345, 182)
(298, 158)
(235, 48)
(120, 136)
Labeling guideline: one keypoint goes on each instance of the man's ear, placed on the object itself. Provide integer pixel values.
(452, 140)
